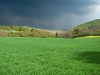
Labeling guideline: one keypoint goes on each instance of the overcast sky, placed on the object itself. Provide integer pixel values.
(48, 14)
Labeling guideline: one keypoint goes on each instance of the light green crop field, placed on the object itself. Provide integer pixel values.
(49, 56)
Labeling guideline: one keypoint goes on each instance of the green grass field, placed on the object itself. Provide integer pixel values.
(49, 56)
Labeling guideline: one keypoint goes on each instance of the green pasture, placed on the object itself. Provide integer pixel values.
(49, 56)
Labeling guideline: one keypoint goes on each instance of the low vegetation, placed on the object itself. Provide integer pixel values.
(49, 56)
(92, 36)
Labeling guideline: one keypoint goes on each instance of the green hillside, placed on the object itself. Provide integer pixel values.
(91, 25)
(91, 28)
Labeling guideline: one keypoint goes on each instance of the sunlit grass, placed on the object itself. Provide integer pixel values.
(87, 37)
(92, 36)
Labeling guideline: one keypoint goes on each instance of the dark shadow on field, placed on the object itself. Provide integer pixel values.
(89, 57)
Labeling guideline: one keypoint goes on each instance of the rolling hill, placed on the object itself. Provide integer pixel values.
(93, 25)
(91, 28)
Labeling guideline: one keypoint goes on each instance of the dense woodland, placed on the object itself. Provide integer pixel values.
(86, 29)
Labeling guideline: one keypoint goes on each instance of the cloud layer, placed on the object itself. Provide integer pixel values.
(48, 14)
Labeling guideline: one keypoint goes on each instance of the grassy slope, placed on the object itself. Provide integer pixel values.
(46, 56)
(92, 25)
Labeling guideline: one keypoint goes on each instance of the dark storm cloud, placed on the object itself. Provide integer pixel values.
(41, 13)
(46, 8)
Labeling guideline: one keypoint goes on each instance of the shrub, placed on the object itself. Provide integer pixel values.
(2, 33)
(68, 34)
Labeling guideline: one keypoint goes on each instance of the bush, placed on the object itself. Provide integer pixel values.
(68, 35)
(2, 33)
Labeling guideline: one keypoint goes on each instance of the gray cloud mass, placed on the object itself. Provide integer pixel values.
(46, 14)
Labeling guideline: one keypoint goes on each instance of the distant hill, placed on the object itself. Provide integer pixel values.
(25, 31)
(93, 25)
(85, 29)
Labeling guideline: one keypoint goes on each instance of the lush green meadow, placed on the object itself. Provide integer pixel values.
(49, 56)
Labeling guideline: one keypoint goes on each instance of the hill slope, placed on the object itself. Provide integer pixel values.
(91, 25)
(86, 29)
(24, 31)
